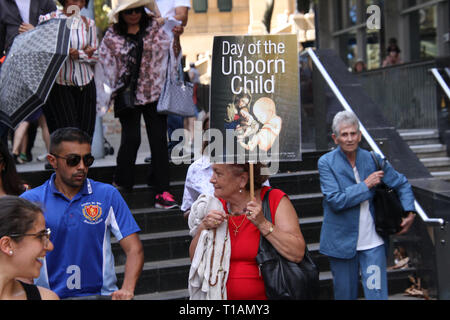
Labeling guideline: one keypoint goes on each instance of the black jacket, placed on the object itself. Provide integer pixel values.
(10, 19)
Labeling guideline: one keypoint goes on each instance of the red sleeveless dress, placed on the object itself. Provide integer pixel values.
(244, 279)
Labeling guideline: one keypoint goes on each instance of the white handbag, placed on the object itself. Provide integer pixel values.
(177, 95)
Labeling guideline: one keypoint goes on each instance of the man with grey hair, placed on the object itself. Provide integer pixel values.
(348, 237)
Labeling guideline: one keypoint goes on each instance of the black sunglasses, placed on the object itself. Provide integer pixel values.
(73, 160)
(135, 10)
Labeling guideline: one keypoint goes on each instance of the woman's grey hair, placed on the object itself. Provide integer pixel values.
(344, 117)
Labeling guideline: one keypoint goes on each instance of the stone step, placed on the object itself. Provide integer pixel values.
(429, 150)
(181, 294)
(175, 244)
(158, 246)
(420, 136)
(142, 196)
(171, 281)
(161, 220)
(152, 220)
(443, 175)
(105, 173)
(160, 276)
(437, 164)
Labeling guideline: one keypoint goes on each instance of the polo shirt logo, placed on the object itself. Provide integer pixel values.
(92, 213)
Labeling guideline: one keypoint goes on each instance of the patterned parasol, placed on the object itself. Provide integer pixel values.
(30, 69)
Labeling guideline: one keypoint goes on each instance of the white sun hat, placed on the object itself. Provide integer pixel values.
(121, 5)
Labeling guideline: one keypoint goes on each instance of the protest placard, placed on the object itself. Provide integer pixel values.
(255, 99)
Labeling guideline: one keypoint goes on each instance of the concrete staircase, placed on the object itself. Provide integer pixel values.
(433, 154)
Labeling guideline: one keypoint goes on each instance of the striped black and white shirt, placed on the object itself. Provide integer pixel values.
(77, 72)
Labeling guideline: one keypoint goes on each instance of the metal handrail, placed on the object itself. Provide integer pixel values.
(363, 130)
(441, 80)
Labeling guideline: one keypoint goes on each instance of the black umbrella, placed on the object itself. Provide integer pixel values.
(30, 69)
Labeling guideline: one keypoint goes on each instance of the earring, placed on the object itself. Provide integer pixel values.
(10, 252)
(240, 190)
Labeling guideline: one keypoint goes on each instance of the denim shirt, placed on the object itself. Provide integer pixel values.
(343, 196)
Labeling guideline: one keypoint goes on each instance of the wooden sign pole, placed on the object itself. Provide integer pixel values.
(252, 184)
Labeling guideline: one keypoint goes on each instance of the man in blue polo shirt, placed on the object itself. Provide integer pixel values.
(82, 214)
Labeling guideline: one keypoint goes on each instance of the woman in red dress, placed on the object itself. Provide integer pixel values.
(246, 222)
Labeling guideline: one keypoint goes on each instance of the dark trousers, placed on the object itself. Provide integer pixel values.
(70, 106)
(156, 126)
(173, 122)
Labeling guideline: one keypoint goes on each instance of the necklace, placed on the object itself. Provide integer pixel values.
(236, 227)
(235, 213)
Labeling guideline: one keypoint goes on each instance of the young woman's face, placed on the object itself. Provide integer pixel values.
(28, 253)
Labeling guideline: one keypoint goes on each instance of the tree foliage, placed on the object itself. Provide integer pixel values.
(101, 9)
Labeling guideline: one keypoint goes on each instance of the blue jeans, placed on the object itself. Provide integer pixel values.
(372, 265)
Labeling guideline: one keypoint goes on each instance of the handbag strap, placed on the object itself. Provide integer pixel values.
(266, 206)
(266, 251)
(377, 163)
(179, 73)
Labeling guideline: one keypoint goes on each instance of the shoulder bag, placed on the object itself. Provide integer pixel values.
(388, 208)
(284, 279)
(176, 95)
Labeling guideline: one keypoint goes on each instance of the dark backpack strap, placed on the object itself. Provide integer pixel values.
(377, 164)
(266, 206)
(31, 291)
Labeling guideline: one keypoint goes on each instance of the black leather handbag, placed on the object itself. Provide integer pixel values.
(388, 208)
(284, 279)
(124, 101)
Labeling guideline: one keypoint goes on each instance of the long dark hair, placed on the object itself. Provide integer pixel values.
(17, 215)
(12, 184)
(121, 27)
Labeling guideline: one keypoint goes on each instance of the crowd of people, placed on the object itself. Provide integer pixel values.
(55, 239)
(131, 59)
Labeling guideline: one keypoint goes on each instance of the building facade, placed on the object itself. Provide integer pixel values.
(209, 18)
(362, 29)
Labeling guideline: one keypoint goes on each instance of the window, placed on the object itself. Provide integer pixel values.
(348, 48)
(373, 49)
(224, 5)
(422, 19)
(352, 18)
(427, 32)
(200, 5)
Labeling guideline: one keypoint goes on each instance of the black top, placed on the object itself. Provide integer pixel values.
(31, 291)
